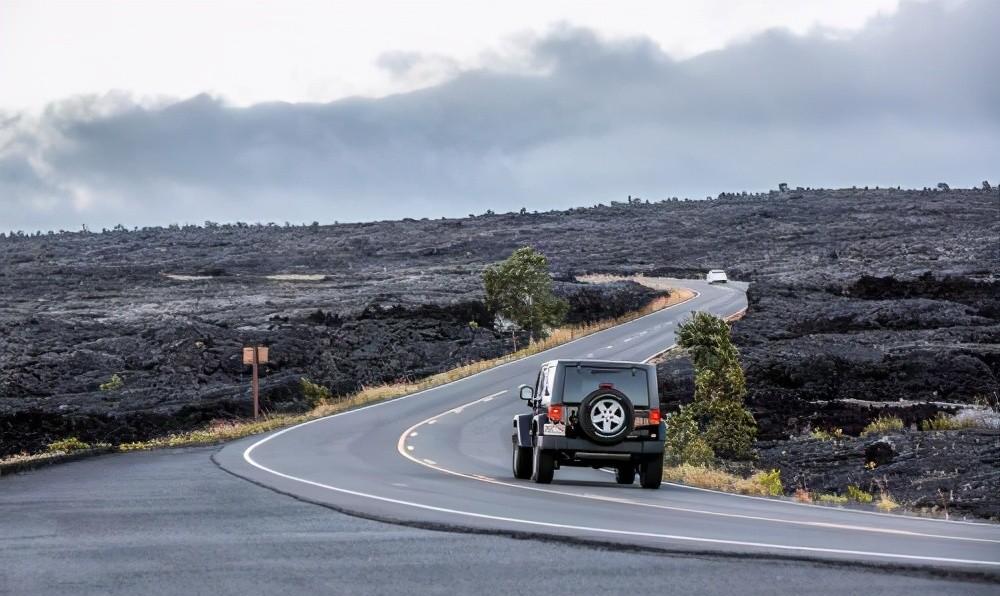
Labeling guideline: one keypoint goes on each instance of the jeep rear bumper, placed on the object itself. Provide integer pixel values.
(594, 451)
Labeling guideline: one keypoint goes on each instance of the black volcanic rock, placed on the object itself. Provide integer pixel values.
(820, 359)
(947, 471)
(675, 378)
(594, 302)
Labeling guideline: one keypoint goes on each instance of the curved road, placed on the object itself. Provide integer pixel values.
(441, 459)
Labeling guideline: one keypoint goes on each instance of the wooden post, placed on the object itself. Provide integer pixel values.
(256, 385)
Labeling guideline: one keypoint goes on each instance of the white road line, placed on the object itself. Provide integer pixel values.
(591, 496)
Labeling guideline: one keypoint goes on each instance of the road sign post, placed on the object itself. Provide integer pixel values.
(255, 356)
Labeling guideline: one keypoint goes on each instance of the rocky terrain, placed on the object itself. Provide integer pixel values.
(944, 472)
(863, 301)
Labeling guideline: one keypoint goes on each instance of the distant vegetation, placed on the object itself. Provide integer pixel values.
(115, 383)
(834, 434)
(519, 289)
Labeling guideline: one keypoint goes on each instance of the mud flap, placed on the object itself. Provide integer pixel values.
(522, 430)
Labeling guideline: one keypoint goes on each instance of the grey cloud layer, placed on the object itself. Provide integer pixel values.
(912, 99)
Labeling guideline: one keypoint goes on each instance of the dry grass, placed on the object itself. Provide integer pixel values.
(855, 493)
(831, 499)
(761, 483)
(702, 477)
(220, 431)
(883, 424)
(835, 434)
(886, 502)
(960, 421)
(803, 496)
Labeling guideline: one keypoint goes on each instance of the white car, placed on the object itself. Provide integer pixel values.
(716, 276)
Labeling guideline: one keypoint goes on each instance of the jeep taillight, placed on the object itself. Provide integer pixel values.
(556, 413)
(654, 416)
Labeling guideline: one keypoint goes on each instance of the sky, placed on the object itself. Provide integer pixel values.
(149, 113)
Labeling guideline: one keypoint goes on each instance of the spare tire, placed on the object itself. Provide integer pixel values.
(606, 416)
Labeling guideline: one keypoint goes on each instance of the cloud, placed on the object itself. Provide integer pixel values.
(911, 99)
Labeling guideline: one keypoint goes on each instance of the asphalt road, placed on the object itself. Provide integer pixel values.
(442, 459)
(172, 522)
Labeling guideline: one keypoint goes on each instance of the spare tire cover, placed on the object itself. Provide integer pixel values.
(606, 416)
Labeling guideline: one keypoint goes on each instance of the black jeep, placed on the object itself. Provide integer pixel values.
(591, 413)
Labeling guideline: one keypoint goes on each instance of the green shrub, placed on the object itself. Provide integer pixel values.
(730, 430)
(699, 453)
(724, 383)
(883, 424)
(113, 384)
(765, 483)
(684, 443)
(832, 499)
(315, 394)
(854, 493)
(67, 445)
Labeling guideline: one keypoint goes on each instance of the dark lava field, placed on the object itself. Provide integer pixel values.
(862, 302)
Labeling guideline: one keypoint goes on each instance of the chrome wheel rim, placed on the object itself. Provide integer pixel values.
(608, 416)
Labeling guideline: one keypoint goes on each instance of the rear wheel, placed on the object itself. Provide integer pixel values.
(522, 461)
(625, 473)
(543, 467)
(651, 472)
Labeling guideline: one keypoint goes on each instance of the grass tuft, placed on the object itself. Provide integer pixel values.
(761, 483)
(67, 445)
(855, 493)
(942, 421)
(886, 502)
(883, 424)
(832, 499)
(115, 383)
(766, 484)
(834, 434)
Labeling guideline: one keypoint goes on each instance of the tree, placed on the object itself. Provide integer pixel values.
(706, 339)
(718, 417)
(520, 289)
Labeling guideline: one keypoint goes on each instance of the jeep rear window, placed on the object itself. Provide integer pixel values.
(580, 381)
